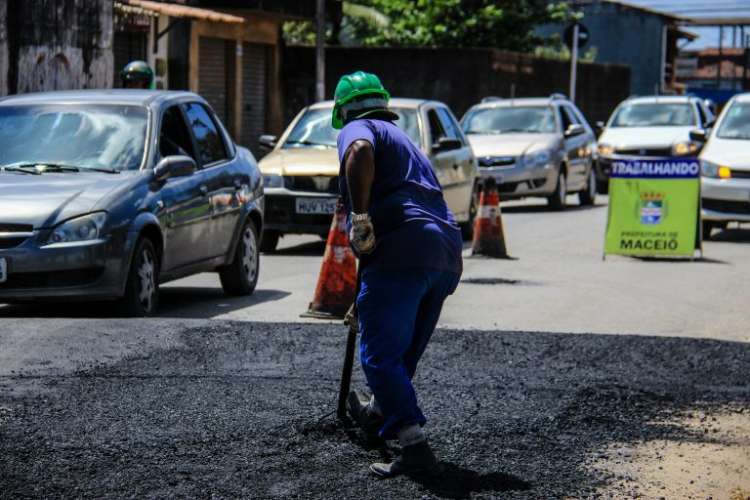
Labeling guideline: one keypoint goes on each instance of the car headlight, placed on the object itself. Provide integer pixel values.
(710, 169)
(84, 228)
(684, 148)
(536, 159)
(273, 181)
(605, 149)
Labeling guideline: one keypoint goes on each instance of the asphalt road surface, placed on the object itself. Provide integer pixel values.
(549, 377)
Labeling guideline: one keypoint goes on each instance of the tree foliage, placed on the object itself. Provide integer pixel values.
(506, 24)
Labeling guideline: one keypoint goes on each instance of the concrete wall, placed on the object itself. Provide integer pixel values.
(626, 36)
(458, 77)
(61, 44)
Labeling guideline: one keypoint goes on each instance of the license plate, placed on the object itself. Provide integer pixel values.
(3, 270)
(316, 205)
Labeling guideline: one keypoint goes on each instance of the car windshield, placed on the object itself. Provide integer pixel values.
(656, 114)
(83, 136)
(736, 123)
(510, 119)
(314, 129)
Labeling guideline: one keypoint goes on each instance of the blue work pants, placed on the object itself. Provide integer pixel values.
(398, 311)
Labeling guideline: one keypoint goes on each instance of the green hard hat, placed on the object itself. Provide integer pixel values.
(360, 95)
(137, 72)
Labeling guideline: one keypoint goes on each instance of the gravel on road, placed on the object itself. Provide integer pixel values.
(227, 410)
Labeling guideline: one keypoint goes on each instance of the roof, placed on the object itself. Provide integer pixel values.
(660, 98)
(394, 102)
(742, 97)
(149, 7)
(729, 69)
(112, 96)
(725, 51)
(717, 21)
(628, 5)
(521, 101)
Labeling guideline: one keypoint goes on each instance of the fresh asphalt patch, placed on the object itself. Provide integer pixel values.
(246, 410)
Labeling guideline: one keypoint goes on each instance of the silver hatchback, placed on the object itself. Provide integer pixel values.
(534, 147)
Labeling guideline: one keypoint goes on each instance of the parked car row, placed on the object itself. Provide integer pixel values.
(107, 194)
(531, 147)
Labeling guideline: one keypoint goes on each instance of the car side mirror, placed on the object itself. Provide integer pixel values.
(267, 141)
(447, 144)
(574, 129)
(174, 166)
(698, 135)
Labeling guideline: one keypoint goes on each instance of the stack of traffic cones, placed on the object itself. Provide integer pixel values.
(337, 282)
(489, 239)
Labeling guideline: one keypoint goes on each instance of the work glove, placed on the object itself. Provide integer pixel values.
(362, 234)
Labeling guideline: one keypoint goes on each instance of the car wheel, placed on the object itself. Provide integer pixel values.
(556, 200)
(142, 289)
(588, 195)
(467, 228)
(269, 241)
(241, 275)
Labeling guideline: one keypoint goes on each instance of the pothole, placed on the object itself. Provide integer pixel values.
(490, 281)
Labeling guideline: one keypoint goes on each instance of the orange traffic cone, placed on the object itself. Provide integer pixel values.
(337, 282)
(489, 239)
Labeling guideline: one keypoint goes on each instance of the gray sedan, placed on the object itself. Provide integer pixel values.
(106, 194)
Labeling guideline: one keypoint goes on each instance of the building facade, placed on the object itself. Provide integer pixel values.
(622, 33)
(55, 45)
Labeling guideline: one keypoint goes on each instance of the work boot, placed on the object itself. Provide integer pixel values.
(416, 459)
(364, 415)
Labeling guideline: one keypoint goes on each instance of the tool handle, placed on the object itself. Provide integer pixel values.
(346, 373)
(352, 321)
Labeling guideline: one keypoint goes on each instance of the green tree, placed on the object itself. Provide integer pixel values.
(506, 24)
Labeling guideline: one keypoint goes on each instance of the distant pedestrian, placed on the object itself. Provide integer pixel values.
(409, 247)
(137, 75)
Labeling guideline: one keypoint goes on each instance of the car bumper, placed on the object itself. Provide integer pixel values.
(90, 270)
(725, 200)
(516, 181)
(281, 212)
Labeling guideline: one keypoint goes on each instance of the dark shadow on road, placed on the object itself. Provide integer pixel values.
(176, 302)
(542, 207)
(305, 249)
(207, 302)
(731, 236)
(453, 481)
(703, 259)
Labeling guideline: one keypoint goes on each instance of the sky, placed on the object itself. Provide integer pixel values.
(709, 37)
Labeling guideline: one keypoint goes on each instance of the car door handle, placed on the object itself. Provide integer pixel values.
(204, 190)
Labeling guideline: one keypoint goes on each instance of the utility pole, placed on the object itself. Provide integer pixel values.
(574, 63)
(320, 55)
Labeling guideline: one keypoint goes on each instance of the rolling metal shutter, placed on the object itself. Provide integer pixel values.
(128, 47)
(254, 74)
(212, 75)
